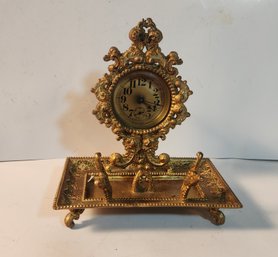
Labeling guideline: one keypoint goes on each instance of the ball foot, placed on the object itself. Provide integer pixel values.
(74, 214)
(217, 217)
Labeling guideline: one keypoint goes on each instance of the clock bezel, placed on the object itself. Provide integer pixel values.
(162, 81)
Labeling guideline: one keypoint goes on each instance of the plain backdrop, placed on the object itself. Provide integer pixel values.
(51, 55)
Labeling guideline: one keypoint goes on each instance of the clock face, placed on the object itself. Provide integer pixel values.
(141, 100)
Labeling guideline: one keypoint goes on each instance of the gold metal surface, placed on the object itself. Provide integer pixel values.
(140, 133)
(141, 99)
(82, 187)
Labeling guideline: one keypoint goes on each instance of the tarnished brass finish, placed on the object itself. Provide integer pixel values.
(128, 108)
(80, 188)
(141, 99)
(74, 214)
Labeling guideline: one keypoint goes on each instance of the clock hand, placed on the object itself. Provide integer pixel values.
(142, 100)
(151, 103)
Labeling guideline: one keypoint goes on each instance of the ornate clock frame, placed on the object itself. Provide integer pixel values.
(144, 54)
(140, 178)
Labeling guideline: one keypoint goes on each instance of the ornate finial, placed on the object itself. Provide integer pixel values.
(145, 48)
(145, 34)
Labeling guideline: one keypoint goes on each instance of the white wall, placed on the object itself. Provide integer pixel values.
(51, 55)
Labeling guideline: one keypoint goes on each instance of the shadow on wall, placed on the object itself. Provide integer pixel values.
(80, 132)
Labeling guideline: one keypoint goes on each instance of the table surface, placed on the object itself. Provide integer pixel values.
(29, 226)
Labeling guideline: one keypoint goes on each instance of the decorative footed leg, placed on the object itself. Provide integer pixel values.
(217, 217)
(74, 214)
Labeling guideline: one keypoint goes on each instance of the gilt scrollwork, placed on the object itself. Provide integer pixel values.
(143, 54)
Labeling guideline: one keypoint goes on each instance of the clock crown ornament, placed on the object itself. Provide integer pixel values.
(142, 96)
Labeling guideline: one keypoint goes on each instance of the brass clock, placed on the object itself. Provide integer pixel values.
(141, 98)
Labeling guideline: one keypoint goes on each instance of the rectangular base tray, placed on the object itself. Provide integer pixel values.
(78, 190)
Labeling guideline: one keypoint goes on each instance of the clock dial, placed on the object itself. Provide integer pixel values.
(141, 100)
